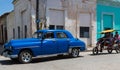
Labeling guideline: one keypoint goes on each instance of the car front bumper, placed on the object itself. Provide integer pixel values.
(6, 54)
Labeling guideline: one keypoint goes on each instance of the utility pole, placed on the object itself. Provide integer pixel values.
(45, 6)
(76, 19)
(37, 16)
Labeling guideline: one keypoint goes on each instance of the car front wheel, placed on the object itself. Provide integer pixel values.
(25, 56)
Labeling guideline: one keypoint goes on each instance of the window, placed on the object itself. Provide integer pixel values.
(61, 35)
(52, 27)
(84, 32)
(49, 35)
(13, 33)
(18, 32)
(60, 27)
(25, 31)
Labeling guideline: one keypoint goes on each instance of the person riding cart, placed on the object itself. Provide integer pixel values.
(106, 42)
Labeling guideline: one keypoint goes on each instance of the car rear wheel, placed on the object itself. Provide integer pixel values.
(75, 52)
(25, 56)
(117, 49)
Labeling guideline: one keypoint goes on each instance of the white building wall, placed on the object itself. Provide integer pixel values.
(10, 26)
(55, 13)
(56, 17)
(84, 21)
(81, 13)
(22, 10)
(54, 4)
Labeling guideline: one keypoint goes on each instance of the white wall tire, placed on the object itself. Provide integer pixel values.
(75, 52)
(25, 56)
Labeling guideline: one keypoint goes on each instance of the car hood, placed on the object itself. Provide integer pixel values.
(23, 42)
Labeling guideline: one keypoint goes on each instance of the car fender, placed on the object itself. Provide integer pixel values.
(71, 47)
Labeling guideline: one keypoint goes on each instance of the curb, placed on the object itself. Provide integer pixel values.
(88, 50)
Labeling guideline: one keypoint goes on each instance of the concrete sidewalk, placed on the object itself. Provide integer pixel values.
(89, 49)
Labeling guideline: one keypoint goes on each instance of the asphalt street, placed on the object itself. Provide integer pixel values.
(86, 61)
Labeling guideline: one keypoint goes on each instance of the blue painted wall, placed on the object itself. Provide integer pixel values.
(107, 9)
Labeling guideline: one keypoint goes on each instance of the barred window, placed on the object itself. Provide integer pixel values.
(84, 32)
(18, 32)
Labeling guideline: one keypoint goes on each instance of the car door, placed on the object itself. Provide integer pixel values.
(62, 42)
(49, 45)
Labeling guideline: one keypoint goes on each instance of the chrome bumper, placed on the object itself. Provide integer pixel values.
(5, 54)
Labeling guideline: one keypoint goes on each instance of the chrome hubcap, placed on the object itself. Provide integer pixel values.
(26, 57)
(75, 52)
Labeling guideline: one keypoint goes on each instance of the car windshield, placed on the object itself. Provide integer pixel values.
(39, 35)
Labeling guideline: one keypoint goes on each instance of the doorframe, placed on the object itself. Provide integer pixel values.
(107, 13)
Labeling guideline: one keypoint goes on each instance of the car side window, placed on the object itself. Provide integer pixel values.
(61, 35)
(49, 35)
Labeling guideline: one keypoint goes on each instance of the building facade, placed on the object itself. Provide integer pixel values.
(10, 26)
(3, 28)
(77, 16)
(108, 15)
(23, 19)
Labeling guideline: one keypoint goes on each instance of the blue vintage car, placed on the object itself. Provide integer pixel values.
(43, 42)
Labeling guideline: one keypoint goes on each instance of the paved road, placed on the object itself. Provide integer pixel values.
(86, 61)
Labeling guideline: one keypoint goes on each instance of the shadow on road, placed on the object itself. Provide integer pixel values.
(102, 54)
(8, 62)
(37, 60)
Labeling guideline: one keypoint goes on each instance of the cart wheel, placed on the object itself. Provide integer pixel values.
(95, 51)
(109, 50)
(117, 49)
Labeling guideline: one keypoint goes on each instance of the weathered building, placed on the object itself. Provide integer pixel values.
(23, 21)
(81, 19)
(10, 26)
(3, 28)
(77, 16)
